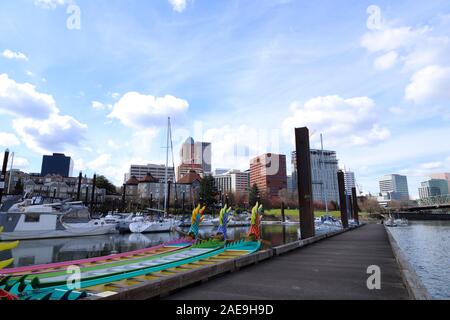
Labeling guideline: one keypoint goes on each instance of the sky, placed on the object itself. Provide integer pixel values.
(97, 79)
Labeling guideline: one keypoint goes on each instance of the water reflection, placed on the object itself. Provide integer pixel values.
(426, 245)
(32, 252)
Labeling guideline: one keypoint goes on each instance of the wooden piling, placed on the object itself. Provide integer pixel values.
(3, 174)
(355, 205)
(304, 181)
(342, 199)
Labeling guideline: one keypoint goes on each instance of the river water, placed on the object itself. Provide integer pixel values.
(32, 252)
(427, 246)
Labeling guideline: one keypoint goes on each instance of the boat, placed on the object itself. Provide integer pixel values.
(401, 222)
(208, 252)
(4, 294)
(121, 220)
(209, 221)
(143, 225)
(26, 220)
(105, 276)
(392, 222)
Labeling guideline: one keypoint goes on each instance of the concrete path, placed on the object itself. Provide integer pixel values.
(335, 268)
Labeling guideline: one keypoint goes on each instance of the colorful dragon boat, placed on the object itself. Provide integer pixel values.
(4, 294)
(102, 276)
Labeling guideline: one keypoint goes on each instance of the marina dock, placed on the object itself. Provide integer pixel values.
(334, 268)
(328, 266)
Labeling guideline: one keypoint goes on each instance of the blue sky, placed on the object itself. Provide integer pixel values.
(241, 74)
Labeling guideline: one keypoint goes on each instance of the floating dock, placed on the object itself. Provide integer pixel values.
(335, 268)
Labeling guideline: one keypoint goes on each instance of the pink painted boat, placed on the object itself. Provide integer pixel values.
(176, 244)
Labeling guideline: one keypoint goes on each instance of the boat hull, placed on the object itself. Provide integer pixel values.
(51, 234)
(150, 227)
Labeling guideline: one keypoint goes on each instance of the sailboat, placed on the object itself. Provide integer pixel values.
(164, 224)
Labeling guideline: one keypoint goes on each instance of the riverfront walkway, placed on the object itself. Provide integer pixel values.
(334, 268)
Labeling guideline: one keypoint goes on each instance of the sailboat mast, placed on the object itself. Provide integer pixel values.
(324, 186)
(166, 190)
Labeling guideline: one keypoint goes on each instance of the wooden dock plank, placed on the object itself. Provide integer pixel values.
(335, 268)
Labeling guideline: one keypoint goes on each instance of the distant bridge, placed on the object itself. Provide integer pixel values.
(435, 202)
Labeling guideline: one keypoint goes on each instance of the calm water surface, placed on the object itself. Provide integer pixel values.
(33, 252)
(427, 247)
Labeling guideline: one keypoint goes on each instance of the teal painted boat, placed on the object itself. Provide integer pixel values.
(34, 289)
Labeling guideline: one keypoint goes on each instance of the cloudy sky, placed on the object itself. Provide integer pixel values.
(97, 79)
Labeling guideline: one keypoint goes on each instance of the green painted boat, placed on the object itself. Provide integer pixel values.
(107, 265)
(95, 272)
(29, 289)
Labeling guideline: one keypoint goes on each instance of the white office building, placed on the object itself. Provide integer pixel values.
(196, 153)
(157, 171)
(233, 181)
(324, 169)
(350, 182)
(396, 185)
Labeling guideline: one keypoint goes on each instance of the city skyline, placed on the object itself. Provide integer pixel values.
(72, 91)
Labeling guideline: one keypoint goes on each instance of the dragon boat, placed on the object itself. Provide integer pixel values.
(4, 294)
(101, 277)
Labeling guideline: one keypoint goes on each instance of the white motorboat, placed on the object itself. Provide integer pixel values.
(26, 220)
(121, 220)
(143, 225)
(209, 221)
(401, 222)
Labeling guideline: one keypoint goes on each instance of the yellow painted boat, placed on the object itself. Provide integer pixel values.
(4, 247)
(8, 245)
(4, 264)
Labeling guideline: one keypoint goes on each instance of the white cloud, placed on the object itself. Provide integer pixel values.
(8, 54)
(388, 39)
(429, 84)
(101, 106)
(20, 163)
(432, 165)
(115, 95)
(38, 122)
(78, 165)
(233, 147)
(342, 121)
(386, 61)
(8, 140)
(113, 144)
(376, 134)
(50, 135)
(178, 5)
(50, 4)
(22, 99)
(142, 111)
(101, 162)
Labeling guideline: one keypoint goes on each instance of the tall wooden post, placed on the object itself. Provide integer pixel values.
(349, 206)
(151, 200)
(3, 174)
(124, 193)
(182, 202)
(93, 192)
(80, 177)
(304, 182)
(87, 195)
(342, 199)
(355, 206)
